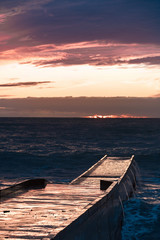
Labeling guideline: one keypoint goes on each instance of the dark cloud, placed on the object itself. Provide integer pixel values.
(91, 58)
(15, 7)
(70, 21)
(23, 84)
(155, 60)
(77, 60)
(80, 106)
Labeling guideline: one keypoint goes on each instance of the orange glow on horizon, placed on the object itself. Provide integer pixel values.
(97, 116)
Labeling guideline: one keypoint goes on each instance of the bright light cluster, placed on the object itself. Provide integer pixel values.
(115, 116)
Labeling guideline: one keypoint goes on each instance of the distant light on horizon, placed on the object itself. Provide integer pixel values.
(114, 116)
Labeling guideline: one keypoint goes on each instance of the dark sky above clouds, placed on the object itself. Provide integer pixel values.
(29, 23)
(26, 26)
(69, 21)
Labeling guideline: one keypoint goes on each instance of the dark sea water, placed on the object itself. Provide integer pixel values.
(61, 149)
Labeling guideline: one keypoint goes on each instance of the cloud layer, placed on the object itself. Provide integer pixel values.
(79, 107)
(23, 84)
(62, 21)
(61, 32)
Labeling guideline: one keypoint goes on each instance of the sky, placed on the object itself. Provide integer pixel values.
(86, 48)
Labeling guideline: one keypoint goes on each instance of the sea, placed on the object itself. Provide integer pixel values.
(60, 149)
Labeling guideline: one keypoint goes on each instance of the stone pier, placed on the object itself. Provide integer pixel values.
(90, 207)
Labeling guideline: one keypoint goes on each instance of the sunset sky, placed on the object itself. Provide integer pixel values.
(91, 48)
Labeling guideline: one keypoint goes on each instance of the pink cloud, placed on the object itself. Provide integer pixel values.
(6, 96)
(2, 18)
(80, 24)
(96, 53)
(4, 38)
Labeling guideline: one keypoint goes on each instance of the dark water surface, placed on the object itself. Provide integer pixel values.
(61, 149)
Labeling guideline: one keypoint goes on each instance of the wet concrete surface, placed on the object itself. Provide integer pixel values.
(43, 213)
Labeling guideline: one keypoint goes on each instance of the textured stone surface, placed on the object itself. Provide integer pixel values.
(35, 214)
(79, 210)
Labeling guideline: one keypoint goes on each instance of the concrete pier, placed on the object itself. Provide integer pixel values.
(90, 207)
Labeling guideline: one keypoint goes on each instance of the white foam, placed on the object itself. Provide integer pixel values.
(141, 213)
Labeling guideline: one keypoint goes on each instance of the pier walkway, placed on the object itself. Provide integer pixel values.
(44, 213)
